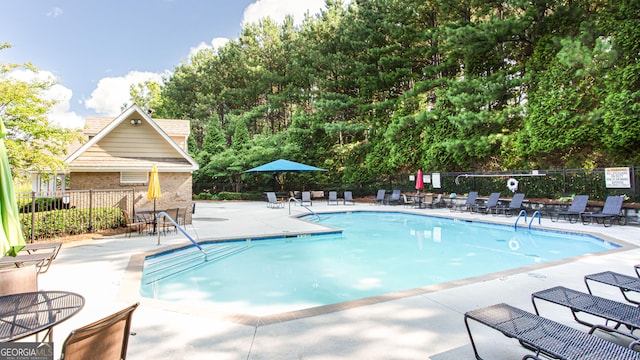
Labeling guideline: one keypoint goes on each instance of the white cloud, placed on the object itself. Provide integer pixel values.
(215, 43)
(59, 113)
(277, 10)
(113, 92)
(55, 12)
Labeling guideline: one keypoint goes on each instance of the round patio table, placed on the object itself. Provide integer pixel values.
(25, 314)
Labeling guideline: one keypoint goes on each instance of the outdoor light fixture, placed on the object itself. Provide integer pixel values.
(135, 122)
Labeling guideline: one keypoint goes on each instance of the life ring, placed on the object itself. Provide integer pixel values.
(514, 245)
(512, 184)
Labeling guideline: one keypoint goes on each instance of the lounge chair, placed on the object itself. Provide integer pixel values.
(348, 198)
(514, 205)
(578, 206)
(610, 211)
(34, 247)
(544, 336)
(394, 199)
(41, 259)
(625, 283)
(333, 198)
(487, 207)
(272, 201)
(468, 204)
(104, 339)
(379, 200)
(306, 198)
(605, 309)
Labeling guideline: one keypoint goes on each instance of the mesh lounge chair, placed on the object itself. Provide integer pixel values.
(380, 196)
(272, 201)
(348, 198)
(610, 211)
(489, 205)
(605, 309)
(394, 199)
(514, 205)
(626, 284)
(104, 339)
(545, 336)
(468, 204)
(306, 198)
(578, 206)
(333, 198)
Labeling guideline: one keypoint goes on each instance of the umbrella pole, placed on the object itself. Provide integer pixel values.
(155, 218)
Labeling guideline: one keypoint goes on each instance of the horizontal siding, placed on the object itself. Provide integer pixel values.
(126, 140)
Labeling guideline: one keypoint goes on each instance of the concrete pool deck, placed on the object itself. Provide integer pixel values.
(428, 325)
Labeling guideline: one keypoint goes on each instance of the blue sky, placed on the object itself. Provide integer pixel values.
(96, 49)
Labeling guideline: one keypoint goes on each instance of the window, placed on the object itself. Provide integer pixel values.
(134, 177)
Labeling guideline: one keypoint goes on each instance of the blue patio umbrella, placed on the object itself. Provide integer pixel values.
(11, 238)
(282, 166)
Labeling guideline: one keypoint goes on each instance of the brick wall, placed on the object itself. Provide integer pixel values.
(176, 189)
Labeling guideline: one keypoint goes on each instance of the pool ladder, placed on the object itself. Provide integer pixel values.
(523, 213)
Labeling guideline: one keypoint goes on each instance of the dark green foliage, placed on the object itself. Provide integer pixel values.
(380, 87)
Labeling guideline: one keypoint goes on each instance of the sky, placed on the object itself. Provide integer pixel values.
(95, 49)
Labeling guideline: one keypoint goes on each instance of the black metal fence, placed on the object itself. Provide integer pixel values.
(547, 184)
(50, 215)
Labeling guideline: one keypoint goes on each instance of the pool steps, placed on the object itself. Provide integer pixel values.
(173, 263)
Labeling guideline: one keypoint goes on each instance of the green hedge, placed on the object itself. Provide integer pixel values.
(225, 195)
(56, 223)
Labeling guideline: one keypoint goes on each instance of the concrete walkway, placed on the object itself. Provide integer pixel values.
(425, 326)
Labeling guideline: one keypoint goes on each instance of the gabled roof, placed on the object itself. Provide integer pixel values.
(82, 160)
(173, 127)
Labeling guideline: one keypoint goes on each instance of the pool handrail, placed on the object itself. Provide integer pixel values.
(522, 212)
(183, 231)
(299, 202)
(533, 217)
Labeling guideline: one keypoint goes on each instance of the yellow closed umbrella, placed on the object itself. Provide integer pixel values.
(11, 238)
(154, 192)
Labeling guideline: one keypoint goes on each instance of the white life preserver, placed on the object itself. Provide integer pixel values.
(512, 184)
(514, 245)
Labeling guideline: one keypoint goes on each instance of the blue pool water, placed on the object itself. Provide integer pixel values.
(377, 253)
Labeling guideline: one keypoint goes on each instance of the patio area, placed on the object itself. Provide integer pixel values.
(425, 326)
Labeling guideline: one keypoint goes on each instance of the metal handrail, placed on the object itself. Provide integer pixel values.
(515, 225)
(183, 231)
(299, 202)
(533, 217)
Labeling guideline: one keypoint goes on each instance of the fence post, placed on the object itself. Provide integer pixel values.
(33, 216)
(90, 209)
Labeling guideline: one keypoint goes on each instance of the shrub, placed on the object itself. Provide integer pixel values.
(56, 223)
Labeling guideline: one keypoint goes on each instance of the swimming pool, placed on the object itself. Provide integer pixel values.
(376, 253)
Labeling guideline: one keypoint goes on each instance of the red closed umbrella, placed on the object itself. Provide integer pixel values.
(419, 181)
